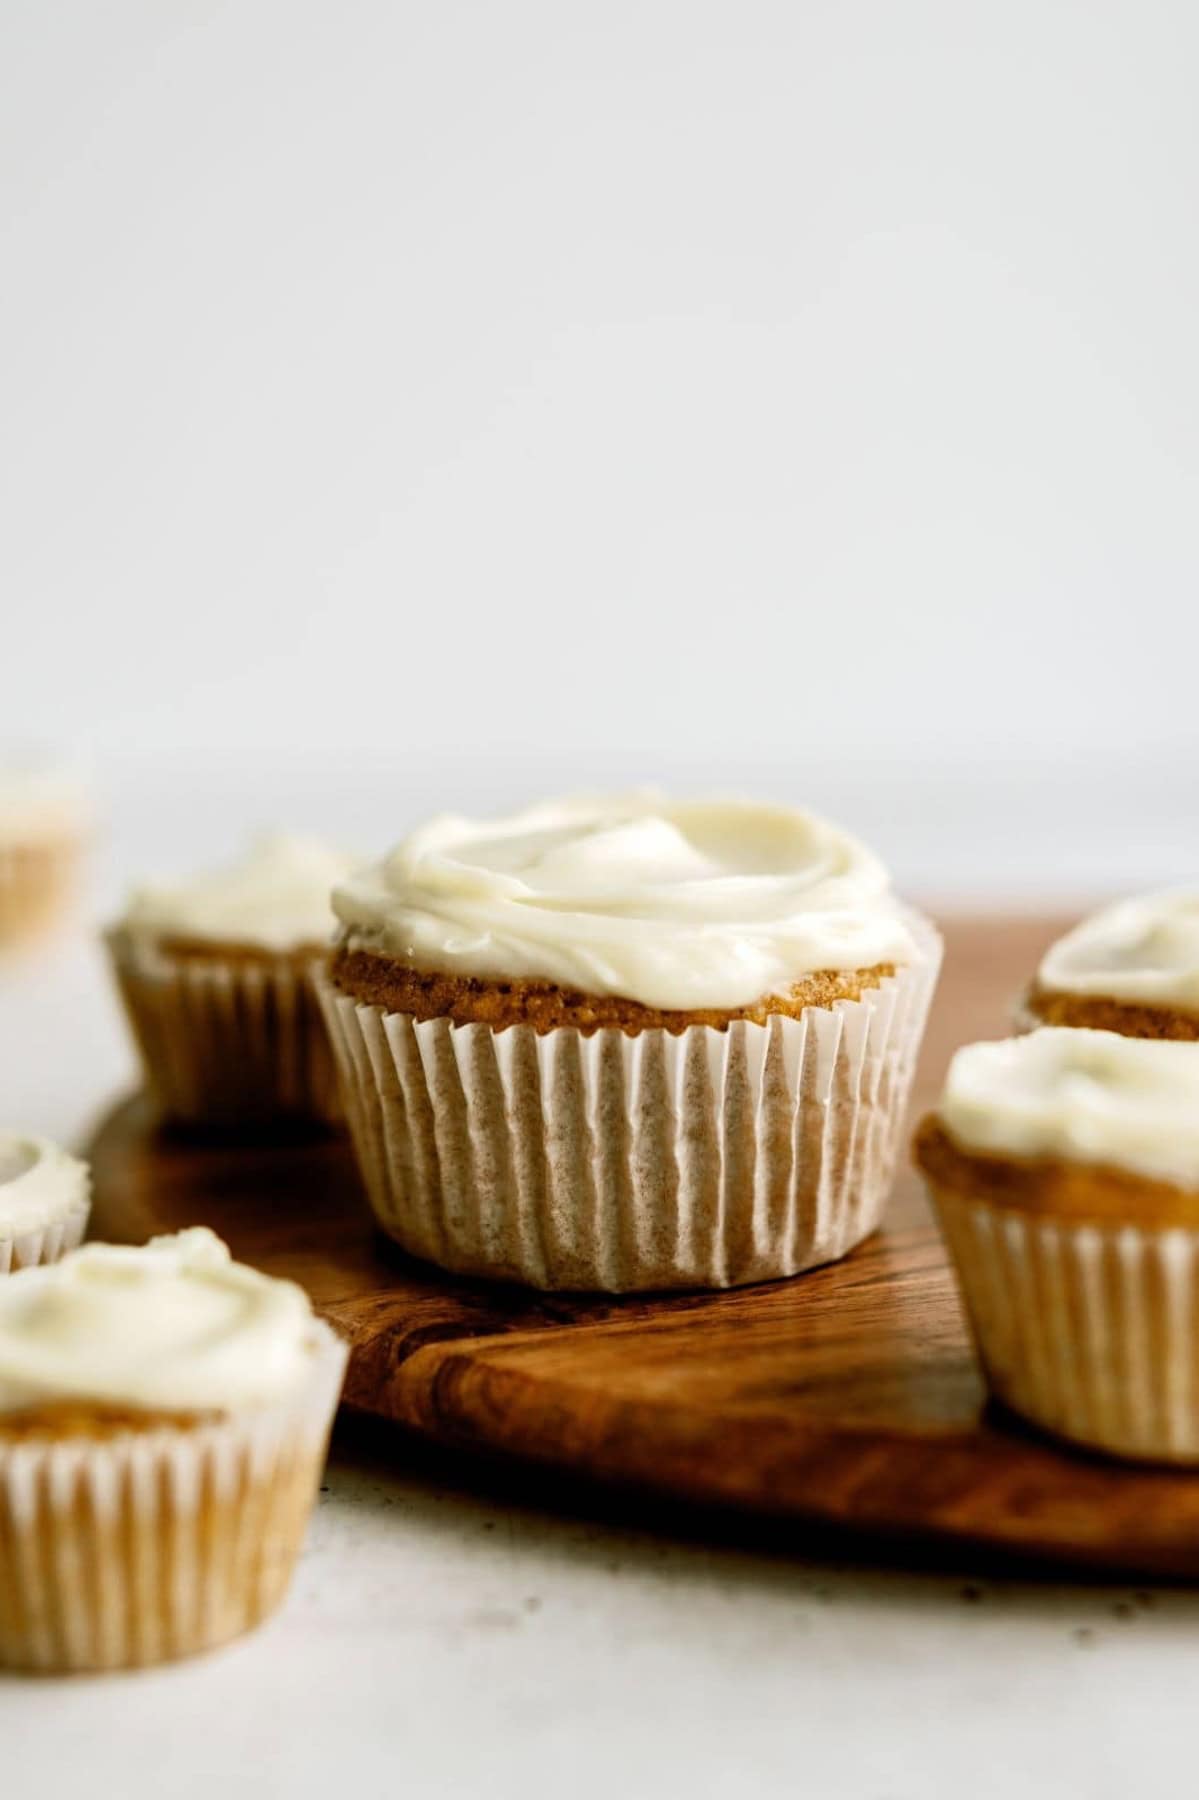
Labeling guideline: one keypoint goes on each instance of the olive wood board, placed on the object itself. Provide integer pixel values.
(849, 1396)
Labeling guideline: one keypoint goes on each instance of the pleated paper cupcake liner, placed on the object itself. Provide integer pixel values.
(620, 1163)
(46, 1241)
(228, 1041)
(1090, 1331)
(37, 882)
(117, 1552)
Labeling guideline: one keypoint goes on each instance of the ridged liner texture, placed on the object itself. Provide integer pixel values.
(237, 1041)
(1090, 1331)
(37, 881)
(47, 1241)
(622, 1163)
(117, 1552)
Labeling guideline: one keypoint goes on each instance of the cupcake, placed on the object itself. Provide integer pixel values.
(215, 976)
(1131, 968)
(1064, 1166)
(164, 1415)
(43, 829)
(624, 1043)
(45, 1198)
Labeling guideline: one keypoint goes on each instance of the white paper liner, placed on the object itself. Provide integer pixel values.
(133, 1549)
(619, 1163)
(237, 1040)
(37, 881)
(1090, 1331)
(47, 1240)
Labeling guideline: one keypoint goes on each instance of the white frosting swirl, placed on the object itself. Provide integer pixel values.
(172, 1326)
(677, 905)
(37, 1181)
(1080, 1096)
(1144, 950)
(276, 897)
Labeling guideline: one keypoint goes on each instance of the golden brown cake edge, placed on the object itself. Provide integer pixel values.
(1050, 1187)
(374, 979)
(1099, 1012)
(78, 1419)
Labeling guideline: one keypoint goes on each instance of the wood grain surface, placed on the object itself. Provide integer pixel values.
(848, 1396)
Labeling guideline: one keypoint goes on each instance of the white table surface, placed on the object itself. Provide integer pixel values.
(444, 1641)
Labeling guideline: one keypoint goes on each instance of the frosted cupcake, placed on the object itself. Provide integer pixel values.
(1065, 1169)
(44, 816)
(623, 1043)
(1131, 968)
(215, 974)
(164, 1415)
(45, 1199)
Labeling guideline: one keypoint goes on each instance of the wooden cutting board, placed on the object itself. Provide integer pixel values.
(849, 1396)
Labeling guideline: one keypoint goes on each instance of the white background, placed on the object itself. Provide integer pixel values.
(416, 404)
(450, 402)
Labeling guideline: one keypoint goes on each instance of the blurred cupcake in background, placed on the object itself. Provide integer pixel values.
(624, 1043)
(215, 972)
(164, 1416)
(45, 820)
(45, 1198)
(1064, 1166)
(1132, 968)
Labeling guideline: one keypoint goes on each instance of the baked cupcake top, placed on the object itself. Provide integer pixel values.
(41, 802)
(1072, 1095)
(680, 905)
(37, 1182)
(1144, 950)
(275, 897)
(173, 1326)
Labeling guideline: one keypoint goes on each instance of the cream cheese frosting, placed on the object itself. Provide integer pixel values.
(38, 1181)
(676, 905)
(1144, 950)
(275, 897)
(1083, 1096)
(171, 1326)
